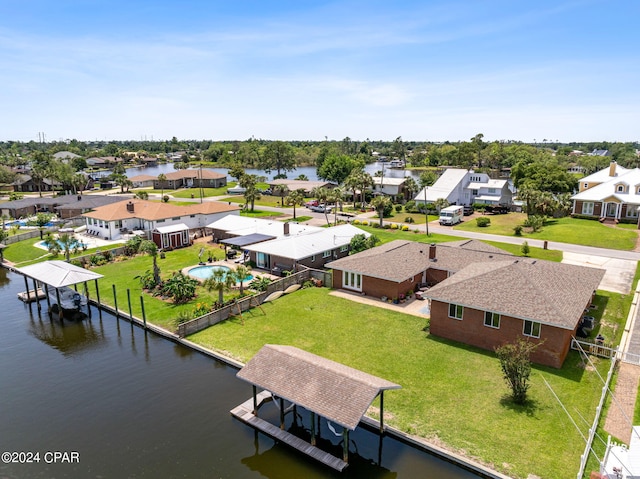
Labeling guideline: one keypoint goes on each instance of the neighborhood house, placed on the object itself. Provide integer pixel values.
(478, 294)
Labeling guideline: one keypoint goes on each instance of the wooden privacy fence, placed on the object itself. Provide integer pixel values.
(244, 304)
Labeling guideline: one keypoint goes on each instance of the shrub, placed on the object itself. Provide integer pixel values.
(398, 208)
(356, 222)
(409, 219)
(535, 222)
(365, 223)
(165, 198)
(518, 230)
(200, 310)
(409, 206)
(405, 228)
(483, 222)
(394, 226)
(147, 280)
(183, 317)
(97, 260)
(524, 249)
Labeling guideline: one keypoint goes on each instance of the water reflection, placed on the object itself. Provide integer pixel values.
(68, 337)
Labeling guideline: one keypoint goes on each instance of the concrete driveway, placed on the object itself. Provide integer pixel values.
(619, 272)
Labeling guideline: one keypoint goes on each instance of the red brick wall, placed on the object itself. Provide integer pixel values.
(553, 343)
(379, 287)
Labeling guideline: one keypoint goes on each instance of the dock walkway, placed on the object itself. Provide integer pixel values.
(244, 412)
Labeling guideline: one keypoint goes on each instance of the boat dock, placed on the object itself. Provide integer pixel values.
(244, 412)
(31, 296)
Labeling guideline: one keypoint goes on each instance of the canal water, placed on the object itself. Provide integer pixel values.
(122, 402)
(308, 171)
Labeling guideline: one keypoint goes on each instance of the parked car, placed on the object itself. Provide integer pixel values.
(311, 203)
(321, 209)
(236, 190)
(468, 210)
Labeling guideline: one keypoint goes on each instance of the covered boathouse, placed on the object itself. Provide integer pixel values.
(325, 388)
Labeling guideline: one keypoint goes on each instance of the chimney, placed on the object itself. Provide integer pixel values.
(432, 252)
(286, 229)
(612, 169)
(130, 207)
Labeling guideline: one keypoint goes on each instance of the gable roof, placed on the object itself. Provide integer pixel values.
(309, 244)
(152, 211)
(444, 186)
(607, 187)
(603, 175)
(332, 390)
(203, 173)
(543, 291)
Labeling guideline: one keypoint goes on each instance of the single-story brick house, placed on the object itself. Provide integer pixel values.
(482, 296)
(191, 178)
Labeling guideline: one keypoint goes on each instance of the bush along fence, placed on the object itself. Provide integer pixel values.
(239, 306)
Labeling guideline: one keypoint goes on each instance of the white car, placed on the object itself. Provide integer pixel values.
(321, 208)
(236, 190)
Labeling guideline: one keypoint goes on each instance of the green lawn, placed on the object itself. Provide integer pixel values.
(563, 230)
(25, 252)
(450, 392)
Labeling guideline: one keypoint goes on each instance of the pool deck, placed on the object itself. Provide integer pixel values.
(229, 264)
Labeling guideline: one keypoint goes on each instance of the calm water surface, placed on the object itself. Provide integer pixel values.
(132, 404)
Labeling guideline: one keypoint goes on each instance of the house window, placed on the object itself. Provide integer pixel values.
(492, 190)
(351, 280)
(177, 218)
(160, 221)
(313, 258)
(531, 328)
(474, 192)
(492, 319)
(344, 248)
(632, 211)
(326, 254)
(118, 224)
(620, 189)
(455, 311)
(586, 185)
(587, 208)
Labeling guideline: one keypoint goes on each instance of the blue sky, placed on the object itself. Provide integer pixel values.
(422, 70)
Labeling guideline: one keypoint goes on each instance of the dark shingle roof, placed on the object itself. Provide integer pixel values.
(332, 390)
(544, 291)
(400, 260)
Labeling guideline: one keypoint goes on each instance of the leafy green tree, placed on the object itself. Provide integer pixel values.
(337, 168)
(524, 249)
(295, 198)
(361, 242)
(302, 177)
(516, 367)
(143, 195)
(236, 171)
(411, 187)
(360, 180)
(6, 175)
(278, 156)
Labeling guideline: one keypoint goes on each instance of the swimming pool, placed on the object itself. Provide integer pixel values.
(74, 244)
(205, 271)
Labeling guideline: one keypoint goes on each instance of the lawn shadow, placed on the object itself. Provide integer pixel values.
(530, 406)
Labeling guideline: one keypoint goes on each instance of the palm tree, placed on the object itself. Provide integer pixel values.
(295, 198)
(251, 194)
(65, 242)
(411, 187)
(161, 179)
(337, 196)
(150, 248)
(281, 191)
(240, 273)
(219, 281)
(380, 203)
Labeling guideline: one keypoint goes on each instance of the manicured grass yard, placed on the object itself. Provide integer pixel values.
(563, 230)
(452, 393)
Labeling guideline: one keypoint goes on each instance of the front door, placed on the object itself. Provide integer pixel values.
(612, 208)
(262, 260)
